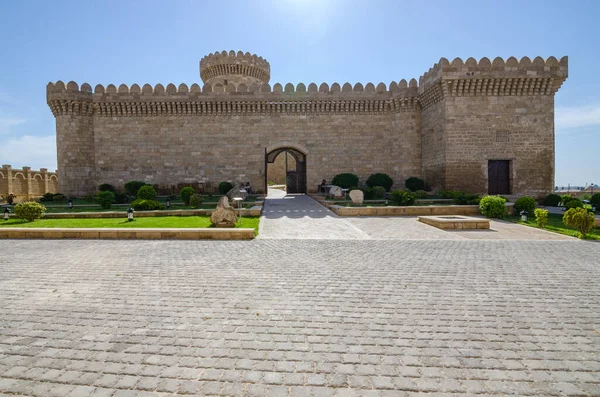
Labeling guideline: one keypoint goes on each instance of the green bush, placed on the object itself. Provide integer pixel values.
(10, 198)
(413, 184)
(552, 200)
(132, 187)
(185, 194)
(564, 199)
(121, 197)
(448, 194)
(574, 203)
(380, 179)
(106, 187)
(59, 198)
(345, 180)
(595, 200)
(420, 194)
(29, 210)
(377, 193)
(525, 203)
(196, 200)
(460, 198)
(581, 219)
(47, 197)
(585, 196)
(493, 206)
(146, 205)
(541, 217)
(402, 197)
(147, 192)
(105, 198)
(224, 187)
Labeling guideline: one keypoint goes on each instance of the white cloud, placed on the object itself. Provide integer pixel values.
(576, 117)
(27, 150)
(6, 122)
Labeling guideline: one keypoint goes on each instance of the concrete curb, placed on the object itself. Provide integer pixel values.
(254, 211)
(133, 233)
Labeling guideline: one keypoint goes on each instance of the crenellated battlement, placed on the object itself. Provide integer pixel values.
(492, 78)
(223, 67)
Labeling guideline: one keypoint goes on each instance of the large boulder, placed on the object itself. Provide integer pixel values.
(336, 192)
(357, 196)
(223, 215)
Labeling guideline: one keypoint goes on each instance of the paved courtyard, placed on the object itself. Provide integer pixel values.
(276, 317)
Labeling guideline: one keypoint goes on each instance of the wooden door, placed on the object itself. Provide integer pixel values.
(499, 177)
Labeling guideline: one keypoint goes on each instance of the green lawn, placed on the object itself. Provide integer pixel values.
(53, 209)
(556, 225)
(150, 222)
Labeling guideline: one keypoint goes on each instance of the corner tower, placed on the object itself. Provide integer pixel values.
(231, 68)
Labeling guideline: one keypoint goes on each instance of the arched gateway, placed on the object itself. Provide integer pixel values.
(295, 179)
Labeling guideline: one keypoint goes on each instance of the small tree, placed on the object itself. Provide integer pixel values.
(132, 187)
(105, 198)
(493, 206)
(29, 210)
(581, 219)
(224, 187)
(552, 200)
(346, 180)
(196, 200)
(380, 179)
(106, 187)
(186, 193)
(595, 200)
(413, 184)
(525, 203)
(541, 217)
(147, 192)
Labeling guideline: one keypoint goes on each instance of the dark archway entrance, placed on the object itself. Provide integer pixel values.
(295, 180)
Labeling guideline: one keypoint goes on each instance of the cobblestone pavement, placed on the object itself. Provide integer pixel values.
(299, 318)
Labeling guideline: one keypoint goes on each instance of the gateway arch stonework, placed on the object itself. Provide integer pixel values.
(471, 126)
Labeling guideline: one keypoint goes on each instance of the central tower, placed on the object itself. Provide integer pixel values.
(231, 68)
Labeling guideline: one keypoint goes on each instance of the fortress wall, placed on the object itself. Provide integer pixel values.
(25, 183)
(76, 155)
(433, 144)
(276, 170)
(173, 149)
(520, 129)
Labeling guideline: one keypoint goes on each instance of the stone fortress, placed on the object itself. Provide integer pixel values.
(25, 183)
(477, 126)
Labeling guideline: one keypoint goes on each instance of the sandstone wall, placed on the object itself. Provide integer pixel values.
(27, 184)
(519, 129)
(276, 171)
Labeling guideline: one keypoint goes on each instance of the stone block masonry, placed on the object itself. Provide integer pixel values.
(444, 128)
(26, 183)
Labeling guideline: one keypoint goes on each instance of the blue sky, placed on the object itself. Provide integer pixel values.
(304, 40)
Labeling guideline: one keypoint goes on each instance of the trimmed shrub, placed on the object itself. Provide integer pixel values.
(377, 193)
(413, 184)
(402, 197)
(345, 180)
(196, 200)
(420, 194)
(132, 187)
(581, 219)
(185, 194)
(525, 203)
(448, 194)
(59, 198)
(460, 198)
(106, 187)
(552, 200)
(574, 203)
(380, 179)
(224, 187)
(595, 200)
(47, 197)
(147, 192)
(541, 217)
(493, 206)
(29, 210)
(146, 205)
(105, 199)
(121, 198)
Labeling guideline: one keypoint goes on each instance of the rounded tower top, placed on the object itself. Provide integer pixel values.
(231, 68)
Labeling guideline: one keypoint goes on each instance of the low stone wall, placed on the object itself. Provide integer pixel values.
(141, 233)
(455, 222)
(431, 210)
(254, 211)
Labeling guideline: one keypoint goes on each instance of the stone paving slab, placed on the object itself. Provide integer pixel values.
(299, 318)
